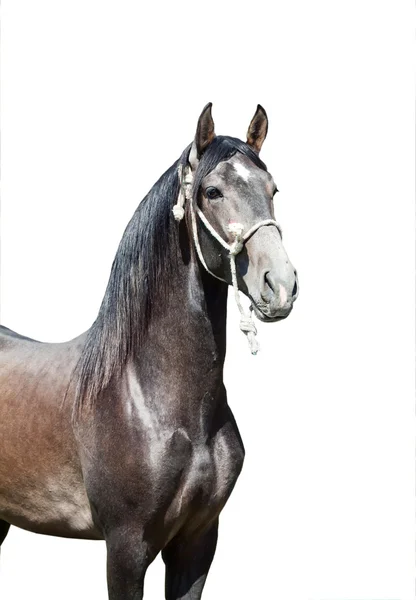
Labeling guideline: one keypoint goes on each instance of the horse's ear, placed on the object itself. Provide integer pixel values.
(257, 130)
(205, 133)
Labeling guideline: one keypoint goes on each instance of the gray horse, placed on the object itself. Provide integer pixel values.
(124, 434)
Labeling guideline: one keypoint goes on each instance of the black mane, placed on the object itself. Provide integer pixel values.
(146, 258)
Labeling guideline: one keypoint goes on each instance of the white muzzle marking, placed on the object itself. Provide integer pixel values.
(282, 296)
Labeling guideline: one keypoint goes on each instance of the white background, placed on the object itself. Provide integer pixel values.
(98, 99)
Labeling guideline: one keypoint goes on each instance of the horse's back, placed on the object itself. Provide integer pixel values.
(41, 485)
(6, 333)
(27, 364)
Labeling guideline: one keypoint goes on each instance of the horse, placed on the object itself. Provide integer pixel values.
(124, 434)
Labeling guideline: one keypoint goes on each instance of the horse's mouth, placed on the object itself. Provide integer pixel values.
(264, 317)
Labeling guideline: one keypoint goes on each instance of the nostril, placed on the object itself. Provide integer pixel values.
(295, 289)
(269, 282)
(267, 290)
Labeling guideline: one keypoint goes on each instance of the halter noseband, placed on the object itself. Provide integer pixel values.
(239, 238)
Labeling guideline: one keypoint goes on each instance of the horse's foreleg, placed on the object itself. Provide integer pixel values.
(127, 561)
(4, 530)
(187, 565)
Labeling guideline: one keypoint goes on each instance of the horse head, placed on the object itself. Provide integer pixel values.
(230, 196)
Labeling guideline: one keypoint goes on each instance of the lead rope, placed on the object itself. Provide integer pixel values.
(236, 230)
(246, 322)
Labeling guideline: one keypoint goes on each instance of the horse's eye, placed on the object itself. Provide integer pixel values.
(212, 193)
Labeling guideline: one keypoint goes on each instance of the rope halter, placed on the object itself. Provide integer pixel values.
(236, 231)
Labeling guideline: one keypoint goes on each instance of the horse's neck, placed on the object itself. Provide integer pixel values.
(181, 360)
(188, 329)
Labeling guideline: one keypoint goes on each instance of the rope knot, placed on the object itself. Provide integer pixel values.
(247, 325)
(236, 231)
(185, 192)
(178, 212)
(187, 183)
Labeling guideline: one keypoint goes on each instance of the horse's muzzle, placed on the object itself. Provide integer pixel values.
(277, 296)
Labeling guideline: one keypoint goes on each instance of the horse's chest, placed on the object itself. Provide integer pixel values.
(208, 480)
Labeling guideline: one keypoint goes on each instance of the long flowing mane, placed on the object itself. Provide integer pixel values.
(141, 273)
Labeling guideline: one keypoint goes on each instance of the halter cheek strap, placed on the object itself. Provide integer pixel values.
(236, 231)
